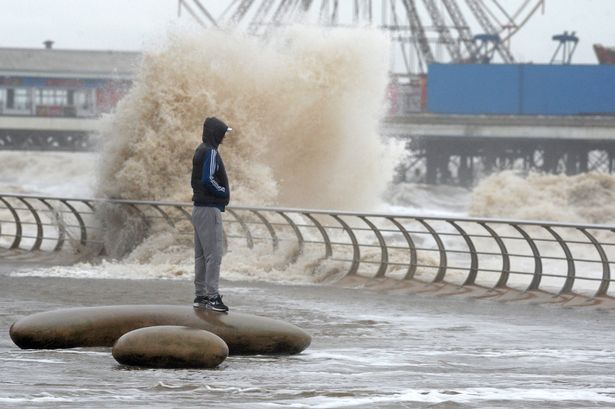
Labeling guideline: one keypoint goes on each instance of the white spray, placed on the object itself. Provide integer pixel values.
(305, 107)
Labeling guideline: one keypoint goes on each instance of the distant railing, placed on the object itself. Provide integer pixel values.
(41, 140)
(558, 258)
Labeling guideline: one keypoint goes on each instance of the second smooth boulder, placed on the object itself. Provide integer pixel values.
(170, 346)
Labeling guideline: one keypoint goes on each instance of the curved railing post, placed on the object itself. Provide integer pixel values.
(471, 278)
(300, 241)
(356, 251)
(274, 237)
(143, 216)
(187, 215)
(412, 266)
(84, 233)
(384, 254)
(503, 280)
(39, 226)
(443, 259)
(606, 269)
(537, 277)
(323, 233)
(18, 232)
(165, 215)
(244, 228)
(61, 231)
(570, 274)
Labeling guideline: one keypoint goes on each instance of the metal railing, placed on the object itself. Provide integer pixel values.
(558, 258)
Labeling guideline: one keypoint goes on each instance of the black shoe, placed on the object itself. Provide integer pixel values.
(215, 303)
(200, 302)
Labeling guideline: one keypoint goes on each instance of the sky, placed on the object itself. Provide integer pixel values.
(133, 24)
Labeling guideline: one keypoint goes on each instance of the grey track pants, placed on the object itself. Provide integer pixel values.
(208, 249)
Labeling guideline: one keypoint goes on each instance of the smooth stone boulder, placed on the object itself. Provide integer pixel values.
(101, 326)
(170, 346)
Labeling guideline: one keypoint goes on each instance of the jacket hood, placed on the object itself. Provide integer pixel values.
(213, 131)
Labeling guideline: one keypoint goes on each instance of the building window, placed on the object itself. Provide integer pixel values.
(10, 98)
(51, 97)
(83, 99)
(19, 98)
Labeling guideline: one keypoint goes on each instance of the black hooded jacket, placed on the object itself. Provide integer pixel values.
(209, 181)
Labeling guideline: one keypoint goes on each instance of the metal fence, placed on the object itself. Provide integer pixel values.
(558, 258)
(46, 140)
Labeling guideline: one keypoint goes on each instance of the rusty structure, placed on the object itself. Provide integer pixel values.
(422, 31)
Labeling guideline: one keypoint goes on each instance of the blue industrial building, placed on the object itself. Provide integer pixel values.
(521, 89)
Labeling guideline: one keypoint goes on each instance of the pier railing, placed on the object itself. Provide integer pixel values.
(558, 258)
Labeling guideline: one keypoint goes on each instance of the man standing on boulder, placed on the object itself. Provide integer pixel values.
(210, 195)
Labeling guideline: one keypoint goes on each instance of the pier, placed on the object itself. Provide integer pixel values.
(458, 149)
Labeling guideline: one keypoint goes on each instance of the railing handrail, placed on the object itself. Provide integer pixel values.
(417, 216)
(370, 244)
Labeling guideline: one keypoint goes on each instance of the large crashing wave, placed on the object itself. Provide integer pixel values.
(305, 107)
